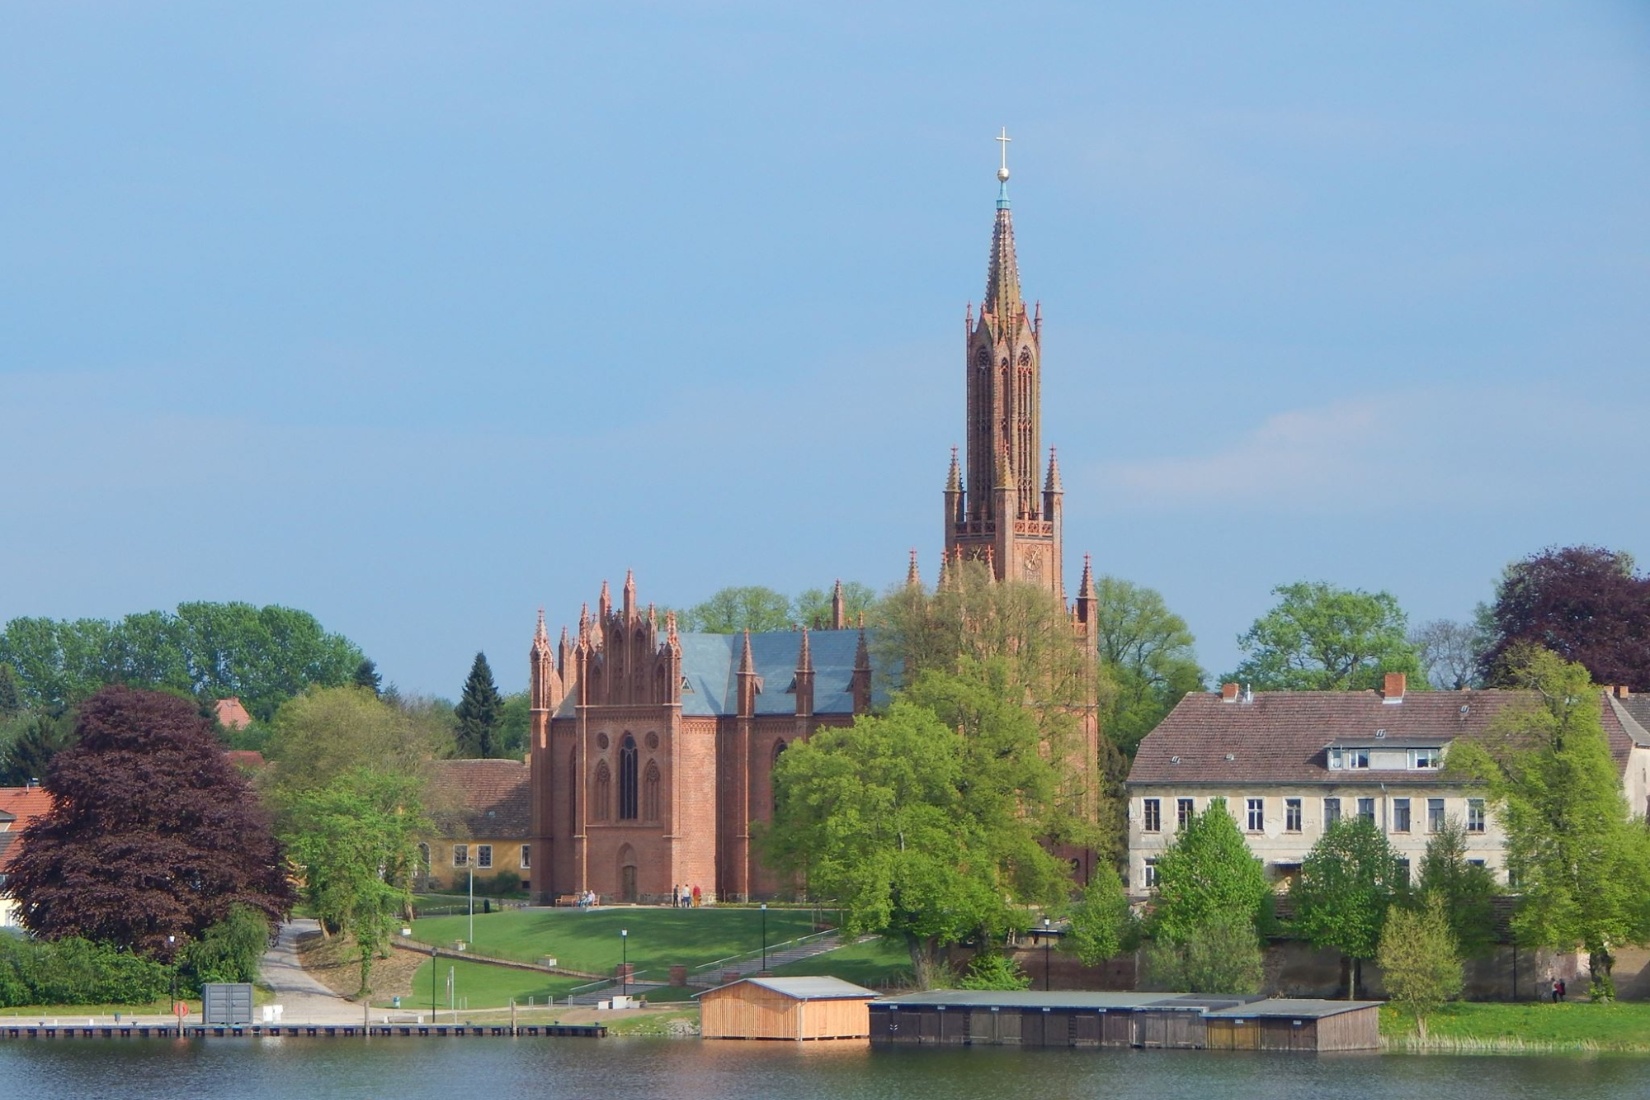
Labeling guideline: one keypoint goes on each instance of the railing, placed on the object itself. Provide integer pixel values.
(773, 949)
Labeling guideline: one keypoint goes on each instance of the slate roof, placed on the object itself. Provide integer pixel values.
(1282, 736)
(807, 989)
(491, 799)
(1636, 709)
(1207, 1004)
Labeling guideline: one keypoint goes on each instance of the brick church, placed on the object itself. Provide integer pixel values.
(652, 750)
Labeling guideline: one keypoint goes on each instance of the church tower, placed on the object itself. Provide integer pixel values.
(996, 511)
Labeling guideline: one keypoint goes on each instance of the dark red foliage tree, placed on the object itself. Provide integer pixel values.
(152, 833)
(1584, 603)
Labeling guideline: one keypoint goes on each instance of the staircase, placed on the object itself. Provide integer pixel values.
(711, 974)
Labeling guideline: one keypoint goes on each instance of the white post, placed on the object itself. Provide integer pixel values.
(472, 907)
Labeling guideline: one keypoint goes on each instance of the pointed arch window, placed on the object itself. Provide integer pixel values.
(573, 781)
(773, 788)
(604, 792)
(627, 779)
(650, 792)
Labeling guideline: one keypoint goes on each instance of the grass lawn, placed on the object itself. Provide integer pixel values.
(478, 985)
(70, 1012)
(589, 940)
(876, 964)
(1576, 1025)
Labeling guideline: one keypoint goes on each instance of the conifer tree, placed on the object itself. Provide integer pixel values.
(11, 696)
(366, 676)
(479, 711)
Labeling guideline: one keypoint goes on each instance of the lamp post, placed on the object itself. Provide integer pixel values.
(472, 907)
(433, 969)
(1046, 938)
(171, 949)
(764, 937)
(624, 962)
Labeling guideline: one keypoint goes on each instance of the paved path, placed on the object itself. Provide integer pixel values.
(303, 999)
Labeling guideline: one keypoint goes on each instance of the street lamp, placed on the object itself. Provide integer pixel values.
(764, 937)
(624, 962)
(171, 949)
(433, 969)
(1046, 937)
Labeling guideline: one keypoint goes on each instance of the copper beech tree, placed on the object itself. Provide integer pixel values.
(152, 837)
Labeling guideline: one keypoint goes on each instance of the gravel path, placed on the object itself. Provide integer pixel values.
(303, 999)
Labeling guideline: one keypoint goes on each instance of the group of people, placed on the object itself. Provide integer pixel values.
(1557, 988)
(588, 899)
(684, 897)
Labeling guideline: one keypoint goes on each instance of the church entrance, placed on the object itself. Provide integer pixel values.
(627, 874)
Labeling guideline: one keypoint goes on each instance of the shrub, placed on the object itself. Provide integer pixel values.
(74, 971)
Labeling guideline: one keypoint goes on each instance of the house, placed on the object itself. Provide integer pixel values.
(1289, 764)
(18, 807)
(483, 813)
(786, 1008)
(231, 713)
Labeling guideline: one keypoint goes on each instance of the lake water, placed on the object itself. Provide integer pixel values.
(500, 1069)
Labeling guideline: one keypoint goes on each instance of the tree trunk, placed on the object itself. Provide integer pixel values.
(924, 959)
(1354, 978)
(1600, 963)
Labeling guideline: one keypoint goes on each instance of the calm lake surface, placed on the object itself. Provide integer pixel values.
(484, 1069)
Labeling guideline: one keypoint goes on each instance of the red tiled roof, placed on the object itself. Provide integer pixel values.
(231, 714)
(246, 759)
(490, 797)
(1281, 737)
(24, 804)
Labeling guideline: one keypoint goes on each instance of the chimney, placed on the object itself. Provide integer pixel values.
(1394, 689)
(1228, 693)
(1622, 691)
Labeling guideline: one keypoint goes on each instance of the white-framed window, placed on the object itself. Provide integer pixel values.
(1357, 758)
(1151, 815)
(526, 856)
(1183, 812)
(1475, 815)
(1366, 810)
(1400, 815)
(1331, 811)
(484, 856)
(1151, 874)
(1257, 815)
(1424, 759)
(1435, 815)
(461, 855)
(1291, 815)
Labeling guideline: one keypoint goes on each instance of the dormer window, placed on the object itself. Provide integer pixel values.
(1425, 759)
(1349, 758)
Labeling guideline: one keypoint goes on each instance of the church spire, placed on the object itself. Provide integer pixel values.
(1002, 281)
(913, 579)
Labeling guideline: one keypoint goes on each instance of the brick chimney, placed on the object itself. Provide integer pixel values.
(1228, 693)
(1394, 690)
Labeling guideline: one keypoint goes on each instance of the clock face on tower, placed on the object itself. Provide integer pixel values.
(1033, 562)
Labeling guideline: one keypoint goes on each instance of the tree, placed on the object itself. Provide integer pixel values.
(327, 731)
(1208, 871)
(232, 949)
(355, 840)
(731, 610)
(1465, 890)
(28, 755)
(1584, 603)
(1420, 963)
(366, 676)
(151, 835)
(1581, 863)
(1219, 955)
(478, 711)
(515, 719)
(1102, 924)
(917, 827)
(1448, 652)
(11, 695)
(1323, 638)
(1147, 649)
(812, 608)
(1346, 886)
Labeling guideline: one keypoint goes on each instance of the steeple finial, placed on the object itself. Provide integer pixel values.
(839, 608)
(913, 579)
(540, 634)
(1052, 483)
(747, 663)
(604, 603)
(1002, 284)
(805, 657)
(953, 480)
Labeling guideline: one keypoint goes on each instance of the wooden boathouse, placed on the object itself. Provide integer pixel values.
(1188, 1021)
(785, 1008)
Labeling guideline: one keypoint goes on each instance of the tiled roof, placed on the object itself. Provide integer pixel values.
(489, 799)
(1637, 708)
(24, 804)
(246, 759)
(232, 714)
(1282, 737)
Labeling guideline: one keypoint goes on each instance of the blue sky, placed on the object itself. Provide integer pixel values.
(420, 316)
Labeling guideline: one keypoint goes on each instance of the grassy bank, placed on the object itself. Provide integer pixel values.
(875, 964)
(1497, 1028)
(477, 985)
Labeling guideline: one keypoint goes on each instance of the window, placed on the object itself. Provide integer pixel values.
(484, 856)
(1400, 815)
(1357, 758)
(604, 792)
(1475, 863)
(1423, 758)
(1151, 817)
(461, 855)
(1435, 815)
(1403, 872)
(1331, 811)
(1292, 815)
(627, 779)
(1475, 815)
(526, 857)
(1366, 810)
(1257, 814)
(650, 792)
(1151, 874)
(1183, 812)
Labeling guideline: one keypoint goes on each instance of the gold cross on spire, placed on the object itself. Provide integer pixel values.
(1003, 139)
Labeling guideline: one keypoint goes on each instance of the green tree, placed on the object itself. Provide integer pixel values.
(230, 950)
(1582, 864)
(993, 970)
(1323, 638)
(479, 711)
(326, 732)
(366, 676)
(1420, 963)
(1147, 650)
(515, 718)
(1103, 925)
(355, 840)
(732, 610)
(1346, 886)
(812, 608)
(1219, 955)
(1207, 871)
(35, 740)
(11, 694)
(1465, 890)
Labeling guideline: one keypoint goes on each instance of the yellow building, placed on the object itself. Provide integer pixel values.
(483, 815)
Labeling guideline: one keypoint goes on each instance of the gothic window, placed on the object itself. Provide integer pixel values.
(573, 781)
(1025, 357)
(778, 750)
(627, 779)
(650, 792)
(604, 792)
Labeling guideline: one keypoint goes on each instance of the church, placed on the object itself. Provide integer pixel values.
(652, 750)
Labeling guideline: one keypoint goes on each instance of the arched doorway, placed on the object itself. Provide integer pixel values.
(627, 874)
